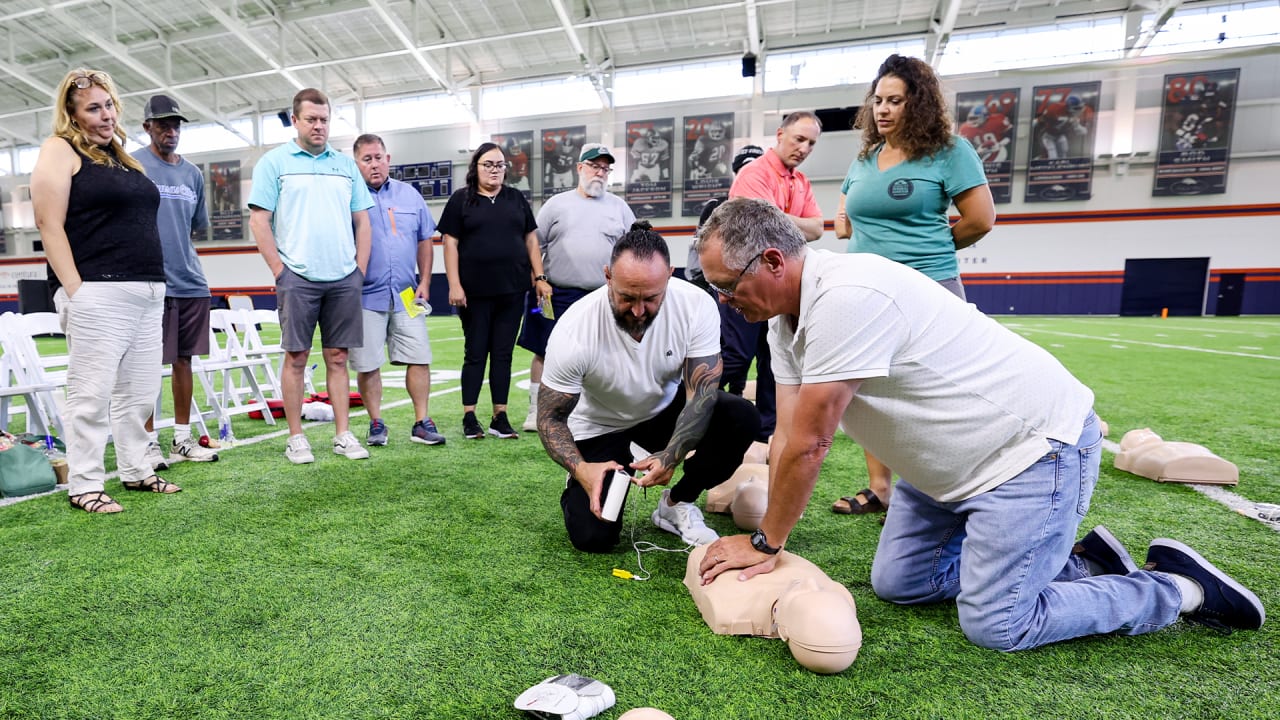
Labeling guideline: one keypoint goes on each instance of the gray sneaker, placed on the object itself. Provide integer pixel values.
(425, 432)
(298, 450)
(190, 449)
(377, 433)
(156, 457)
(683, 519)
(348, 446)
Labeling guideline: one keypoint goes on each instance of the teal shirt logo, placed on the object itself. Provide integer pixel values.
(901, 189)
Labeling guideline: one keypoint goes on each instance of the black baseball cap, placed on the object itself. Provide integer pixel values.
(162, 106)
(747, 154)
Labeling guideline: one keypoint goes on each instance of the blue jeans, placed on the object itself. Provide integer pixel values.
(1005, 557)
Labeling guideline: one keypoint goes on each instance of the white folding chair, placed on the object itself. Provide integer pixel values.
(20, 377)
(256, 346)
(228, 374)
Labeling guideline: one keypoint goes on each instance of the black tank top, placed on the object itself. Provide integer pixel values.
(111, 225)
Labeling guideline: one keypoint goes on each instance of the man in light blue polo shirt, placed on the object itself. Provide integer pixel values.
(309, 217)
(400, 260)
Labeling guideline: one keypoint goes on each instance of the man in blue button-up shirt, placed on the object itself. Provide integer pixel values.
(400, 260)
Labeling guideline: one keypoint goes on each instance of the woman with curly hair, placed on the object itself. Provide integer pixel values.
(96, 211)
(894, 200)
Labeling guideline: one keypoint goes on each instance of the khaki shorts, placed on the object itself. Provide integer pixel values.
(405, 338)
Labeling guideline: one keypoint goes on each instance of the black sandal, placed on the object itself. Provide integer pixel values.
(864, 502)
(155, 484)
(93, 502)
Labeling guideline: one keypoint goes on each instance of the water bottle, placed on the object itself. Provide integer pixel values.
(226, 438)
(57, 459)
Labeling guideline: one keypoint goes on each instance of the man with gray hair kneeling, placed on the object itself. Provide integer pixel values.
(996, 442)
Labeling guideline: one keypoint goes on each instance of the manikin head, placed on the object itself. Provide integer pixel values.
(819, 626)
(645, 713)
(750, 501)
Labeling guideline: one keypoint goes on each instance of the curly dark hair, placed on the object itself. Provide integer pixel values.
(926, 122)
(473, 169)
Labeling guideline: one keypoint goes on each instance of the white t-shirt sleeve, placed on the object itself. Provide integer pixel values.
(852, 333)
(563, 371)
(704, 339)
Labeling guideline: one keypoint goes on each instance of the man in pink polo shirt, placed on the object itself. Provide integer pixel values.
(773, 178)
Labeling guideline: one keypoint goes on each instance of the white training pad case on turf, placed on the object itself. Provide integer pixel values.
(566, 697)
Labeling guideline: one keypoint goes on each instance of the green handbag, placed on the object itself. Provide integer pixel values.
(25, 471)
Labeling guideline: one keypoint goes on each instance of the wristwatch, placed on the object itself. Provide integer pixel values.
(761, 543)
(540, 278)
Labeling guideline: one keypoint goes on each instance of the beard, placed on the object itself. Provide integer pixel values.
(594, 188)
(629, 323)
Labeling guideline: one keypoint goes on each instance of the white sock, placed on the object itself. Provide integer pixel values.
(181, 432)
(154, 436)
(1192, 593)
(533, 396)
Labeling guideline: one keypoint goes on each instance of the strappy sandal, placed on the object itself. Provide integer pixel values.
(94, 502)
(864, 502)
(155, 484)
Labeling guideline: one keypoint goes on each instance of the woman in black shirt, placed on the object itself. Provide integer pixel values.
(491, 256)
(96, 212)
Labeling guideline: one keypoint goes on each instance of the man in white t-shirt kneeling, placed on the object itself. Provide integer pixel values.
(638, 361)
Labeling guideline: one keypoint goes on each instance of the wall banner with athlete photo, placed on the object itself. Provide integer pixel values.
(1195, 133)
(648, 163)
(708, 160)
(518, 147)
(560, 148)
(989, 119)
(1063, 127)
(226, 218)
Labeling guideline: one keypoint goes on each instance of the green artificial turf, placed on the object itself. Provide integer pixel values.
(437, 582)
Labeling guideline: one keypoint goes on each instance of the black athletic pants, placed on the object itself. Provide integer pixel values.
(740, 341)
(489, 326)
(734, 424)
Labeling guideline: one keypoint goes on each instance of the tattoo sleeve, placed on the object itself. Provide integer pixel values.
(554, 408)
(701, 380)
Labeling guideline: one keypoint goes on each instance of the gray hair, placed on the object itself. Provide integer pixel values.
(747, 227)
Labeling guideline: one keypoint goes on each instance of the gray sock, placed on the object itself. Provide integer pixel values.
(1192, 593)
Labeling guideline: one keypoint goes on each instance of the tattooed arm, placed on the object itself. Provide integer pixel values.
(701, 380)
(554, 408)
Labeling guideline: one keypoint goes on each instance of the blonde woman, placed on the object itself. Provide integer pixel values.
(96, 212)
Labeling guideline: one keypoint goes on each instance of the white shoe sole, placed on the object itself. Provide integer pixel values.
(300, 459)
(361, 454)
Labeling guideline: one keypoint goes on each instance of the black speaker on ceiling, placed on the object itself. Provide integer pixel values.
(284, 118)
(748, 65)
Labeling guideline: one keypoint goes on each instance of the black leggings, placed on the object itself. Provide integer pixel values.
(489, 325)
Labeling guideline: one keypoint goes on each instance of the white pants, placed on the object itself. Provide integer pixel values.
(113, 377)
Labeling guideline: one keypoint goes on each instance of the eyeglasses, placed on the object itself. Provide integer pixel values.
(492, 166)
(601, 169)
(728, 292)
(84, 82)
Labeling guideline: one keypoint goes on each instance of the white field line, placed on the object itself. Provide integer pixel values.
(1167, 346)
(260, 438)
(1217, 493)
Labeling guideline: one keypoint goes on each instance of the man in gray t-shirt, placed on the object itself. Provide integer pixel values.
(186, 297)
(577, 231)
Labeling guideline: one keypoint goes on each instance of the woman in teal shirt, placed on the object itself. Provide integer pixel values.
(894, 200)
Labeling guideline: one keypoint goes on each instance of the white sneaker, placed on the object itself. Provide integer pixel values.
(298, 450)
(531, 420)
(156, 457)
(191, 450)
(683, 519)
(347, 444)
